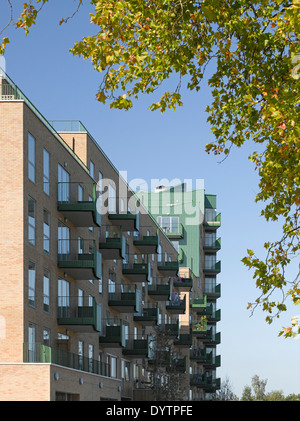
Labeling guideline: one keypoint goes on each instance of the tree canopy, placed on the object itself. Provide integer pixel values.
(253, 47)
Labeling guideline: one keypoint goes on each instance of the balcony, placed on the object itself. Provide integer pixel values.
(112, 243)
(81, 314)
(77, 201)
(212, 223)
(168, 268)
(185, 340)
(199, 328)
(198, 355)
(212, 268)
(183, 284)
(207, 383)
(213, 293)
(112, 336)
(174, 232)
(123, 299)
(176, 305)
(137, 269)
(212, 247)
(172, 329)
(211, 339)
(129, 221)
(197, 302)
(211, 361)
(148, 315)
(146, 244)
(40, 353)
(136, 347)
(80, 259)
(160, 289)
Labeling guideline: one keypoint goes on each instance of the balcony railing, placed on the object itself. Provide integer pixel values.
(124, 298)
(212, 246)
(137, 346)
(212, 268)
(80, 258)
(212, 293)
(79, 313)
(137, 268)
(160, 289)
(169, 268)
(77, 201)
(112, 335)
(148, 315)
(146, 241)
(213, 222)
(176, 305)
(184, 284)
(112, 243)
(205, 382)
(40, 353)
(173, 232)
(120, 215)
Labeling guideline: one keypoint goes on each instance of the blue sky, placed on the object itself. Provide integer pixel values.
(149, 145)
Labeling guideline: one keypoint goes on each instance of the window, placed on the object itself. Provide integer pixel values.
(63, 298)
(31, 220)
(111, 199)
(31, 283)
(46, 171)
(80, 245)
(31, 342)
(80, 355)
(92, 169)
(176, 245)
(159, 257)
(169, 224)
(112, 361)
(210, 239)
(80, 193)
(46, 291)
(46, 337)
(63, 238)
(46, 231)
(80, 298)
(100, 182)
(125, 367)
(31, 157)
(63, 184)
(90, 200)
(91, 357)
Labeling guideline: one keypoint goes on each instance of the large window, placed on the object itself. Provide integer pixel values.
(63, 238)
(63, 184)
(169, 224)
(111, 199)
(92, 169)
(63, 296)
(112, 361)
(31, 220)
(31, 283)
(31, 342)
(46, 291)
(46, 171)
(31, 157)
(46, 231)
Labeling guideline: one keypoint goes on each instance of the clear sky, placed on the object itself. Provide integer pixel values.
(150, 146)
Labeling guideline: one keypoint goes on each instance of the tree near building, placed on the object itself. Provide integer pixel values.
(253, 47)
(167, 367)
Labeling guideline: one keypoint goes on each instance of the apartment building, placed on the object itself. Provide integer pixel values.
(190, 220)
(85, 273)
(89, 274)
